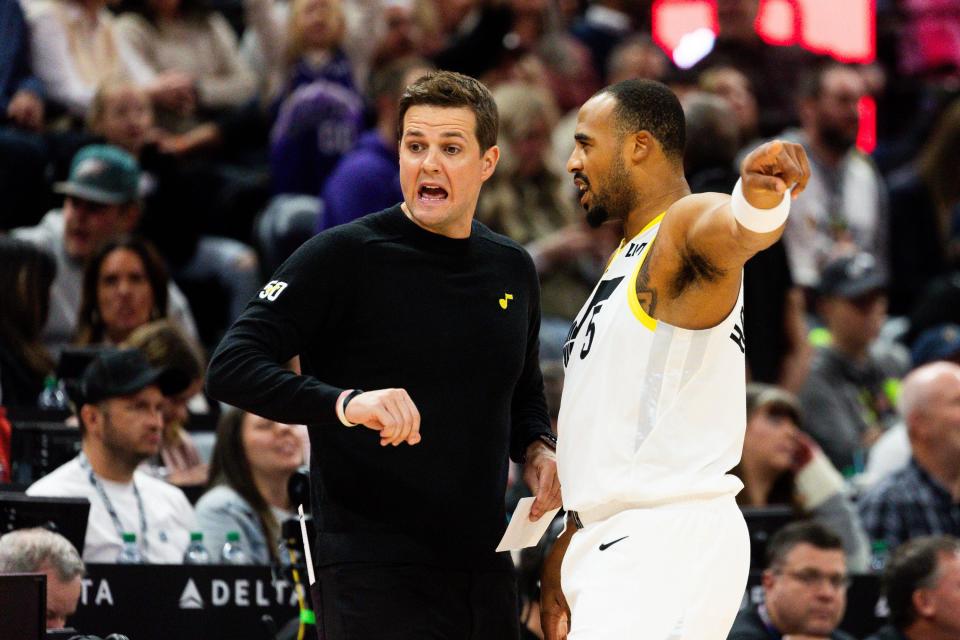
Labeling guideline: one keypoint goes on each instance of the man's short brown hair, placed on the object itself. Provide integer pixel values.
(454, 90)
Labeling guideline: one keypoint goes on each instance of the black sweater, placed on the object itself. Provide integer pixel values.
(381, 303)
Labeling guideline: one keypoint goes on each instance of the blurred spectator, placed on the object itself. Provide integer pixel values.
(252, 463)
(845, 204)
(124, 287)
(375, 32)
(25, 279)
(738, 45)
(166, 347)
(848, 393)
(194, 49)
(75, 46)
(780, 465)
(42, 551)
(733, 86)
(315, 37)
(938, 304)
(315, 126)
(119, 403)
(22, 150)
(465, 27)
(941, 342)
(920, 585)
(713, 139)
(779, 352)
(318, 103)
(892, 451)
(603, 26)
(921, 499)
(367, 178)
(637, 56)
(527, 199)
(101, 203)
(804, 588)
(924, 209)
(177, 198)
(569, 72)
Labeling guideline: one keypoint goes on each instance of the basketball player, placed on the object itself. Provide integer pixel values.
(652, 413)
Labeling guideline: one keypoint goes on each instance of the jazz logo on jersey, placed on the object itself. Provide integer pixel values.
(505, 300)
(273, 290)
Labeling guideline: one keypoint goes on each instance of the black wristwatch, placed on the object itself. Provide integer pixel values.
(546, 437)
(350, 396)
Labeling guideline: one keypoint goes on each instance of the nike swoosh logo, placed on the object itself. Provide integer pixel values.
(607, 545)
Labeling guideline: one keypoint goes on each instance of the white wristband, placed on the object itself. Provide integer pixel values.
(758, 220)
(340, 409)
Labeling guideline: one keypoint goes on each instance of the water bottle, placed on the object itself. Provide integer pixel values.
(53, 397)
(233, 552)
(130, 552)
(880, 554)
(196, 553)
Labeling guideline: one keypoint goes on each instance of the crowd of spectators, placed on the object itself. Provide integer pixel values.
(146, 144)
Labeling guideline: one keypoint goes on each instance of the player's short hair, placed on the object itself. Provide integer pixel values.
(914, 565)
(29, 550)
(454, 90)
(648, 105)
(795, 533)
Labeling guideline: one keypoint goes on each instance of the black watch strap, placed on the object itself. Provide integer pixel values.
(547, 437)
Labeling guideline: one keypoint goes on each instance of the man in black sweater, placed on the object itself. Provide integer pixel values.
(438, 319)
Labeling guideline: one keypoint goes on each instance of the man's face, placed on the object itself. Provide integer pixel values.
(442, 168)
(132, 426)
(836, 114)
(127, 118)
(807, 594)
(734, 87)
(942, 411)
(855, 322)
(87, 225)
(941, 606)
(62, 597)
(597, 163)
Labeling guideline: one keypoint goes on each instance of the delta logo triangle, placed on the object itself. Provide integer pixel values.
(190, 598)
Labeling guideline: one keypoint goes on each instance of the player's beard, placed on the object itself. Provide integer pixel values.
(617, 198)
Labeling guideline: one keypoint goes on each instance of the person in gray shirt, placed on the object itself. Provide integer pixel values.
(101, 202)
(850, 392)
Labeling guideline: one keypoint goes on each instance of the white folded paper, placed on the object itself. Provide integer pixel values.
(521, 532)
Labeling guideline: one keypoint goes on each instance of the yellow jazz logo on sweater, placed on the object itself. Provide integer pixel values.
(273, 289)
(505, 300)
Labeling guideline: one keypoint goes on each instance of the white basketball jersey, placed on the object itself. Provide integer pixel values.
(651, 413)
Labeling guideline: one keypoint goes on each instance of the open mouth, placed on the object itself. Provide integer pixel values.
(431, 193)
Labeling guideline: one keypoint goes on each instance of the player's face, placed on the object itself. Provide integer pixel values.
(597, 163)
(442, 168)
(806, 595)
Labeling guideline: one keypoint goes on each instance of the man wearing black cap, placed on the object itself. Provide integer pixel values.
(101, 201)
(850, 391)
(118, 403)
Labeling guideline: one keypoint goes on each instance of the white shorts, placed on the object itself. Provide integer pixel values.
(671, 572)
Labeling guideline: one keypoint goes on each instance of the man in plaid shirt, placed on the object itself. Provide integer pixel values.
(923, 498)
